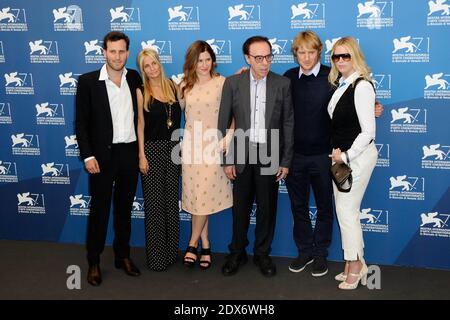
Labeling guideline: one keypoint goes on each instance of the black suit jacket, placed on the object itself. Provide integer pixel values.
(279, 115)
(93, 124)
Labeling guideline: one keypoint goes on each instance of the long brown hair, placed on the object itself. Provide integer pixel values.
(167, 86)
(190, 64)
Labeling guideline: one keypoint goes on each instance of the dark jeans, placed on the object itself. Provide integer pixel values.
(312, 171)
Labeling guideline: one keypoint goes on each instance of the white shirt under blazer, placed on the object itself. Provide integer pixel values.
(365, 108)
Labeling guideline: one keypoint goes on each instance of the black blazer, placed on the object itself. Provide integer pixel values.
(279, 115)
(93, 121)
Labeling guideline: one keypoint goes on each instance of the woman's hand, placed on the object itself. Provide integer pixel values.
(143, 165)
(336, 156)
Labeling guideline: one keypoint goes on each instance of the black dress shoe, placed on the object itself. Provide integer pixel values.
(265, 264)
(128, 266)
(234, 261)
(94, 276)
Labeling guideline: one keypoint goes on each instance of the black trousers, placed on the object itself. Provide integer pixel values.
(248, 184)
(161, 195)
(305, 172)
(117, 180)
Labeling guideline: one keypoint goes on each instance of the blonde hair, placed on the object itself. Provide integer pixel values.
(358, 60)
(167, 86)
(307, 39)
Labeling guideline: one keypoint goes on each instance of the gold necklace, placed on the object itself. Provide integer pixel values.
(169, 121)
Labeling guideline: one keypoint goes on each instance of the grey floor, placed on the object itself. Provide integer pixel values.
(37, 270)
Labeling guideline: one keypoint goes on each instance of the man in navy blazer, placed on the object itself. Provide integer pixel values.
(106, 121)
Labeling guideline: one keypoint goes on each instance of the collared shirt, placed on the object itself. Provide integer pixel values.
(258, 109)
(121, 105)
(364, 105)
(314, 71)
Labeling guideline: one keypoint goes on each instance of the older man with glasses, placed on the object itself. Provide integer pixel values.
(260, 102)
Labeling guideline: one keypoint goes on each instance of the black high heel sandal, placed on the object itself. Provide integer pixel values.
(189, 261)
(205, 264)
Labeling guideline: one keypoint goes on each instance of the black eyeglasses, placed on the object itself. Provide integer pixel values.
(260, 59)
(344, 56)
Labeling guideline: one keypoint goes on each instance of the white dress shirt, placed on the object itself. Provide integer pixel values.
(314, 71)
(121, 105)
(258, 109)
(364, 105)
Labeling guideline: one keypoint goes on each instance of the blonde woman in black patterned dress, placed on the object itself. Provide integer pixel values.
(159, 115)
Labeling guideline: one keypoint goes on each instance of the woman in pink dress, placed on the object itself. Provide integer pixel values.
(205, 187)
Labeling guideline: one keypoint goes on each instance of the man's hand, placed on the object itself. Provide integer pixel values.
(378, 109)
(92, 166)
(282, 173)
(241, 70)
(230, 172)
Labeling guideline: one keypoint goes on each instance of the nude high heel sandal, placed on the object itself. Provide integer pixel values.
(340, 277)
(361, 276)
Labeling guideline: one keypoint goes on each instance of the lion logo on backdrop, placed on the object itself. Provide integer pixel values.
(400, 182)
(253, 212)
(301, 10)
(136, 205)
(435, 80)
(276, 48)
(438, 5)
(6, 15)
(44, 109)
(431, 218)
(68, 18)
(71, 141)
(366, 215)
(13, 78)
(433, 151)
(19, 139)
(78, 200)
(37, 46)
(404, 43)
(92, 46)
(61, 14)
(66, 78)
(177, 78)
(330, 43)
(237, 11)
(214, 47)
(24, 198)
(150, 44)
(369, 8)
(48, 168)
(3, 169)
(176, 12)
(401, 114)
(118, 13)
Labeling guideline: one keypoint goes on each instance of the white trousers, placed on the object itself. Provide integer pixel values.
(348, 204)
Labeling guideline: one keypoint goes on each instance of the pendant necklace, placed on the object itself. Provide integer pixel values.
(169, 121)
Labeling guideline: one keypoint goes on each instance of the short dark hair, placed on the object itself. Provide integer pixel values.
(115, 36)
(251, 40)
